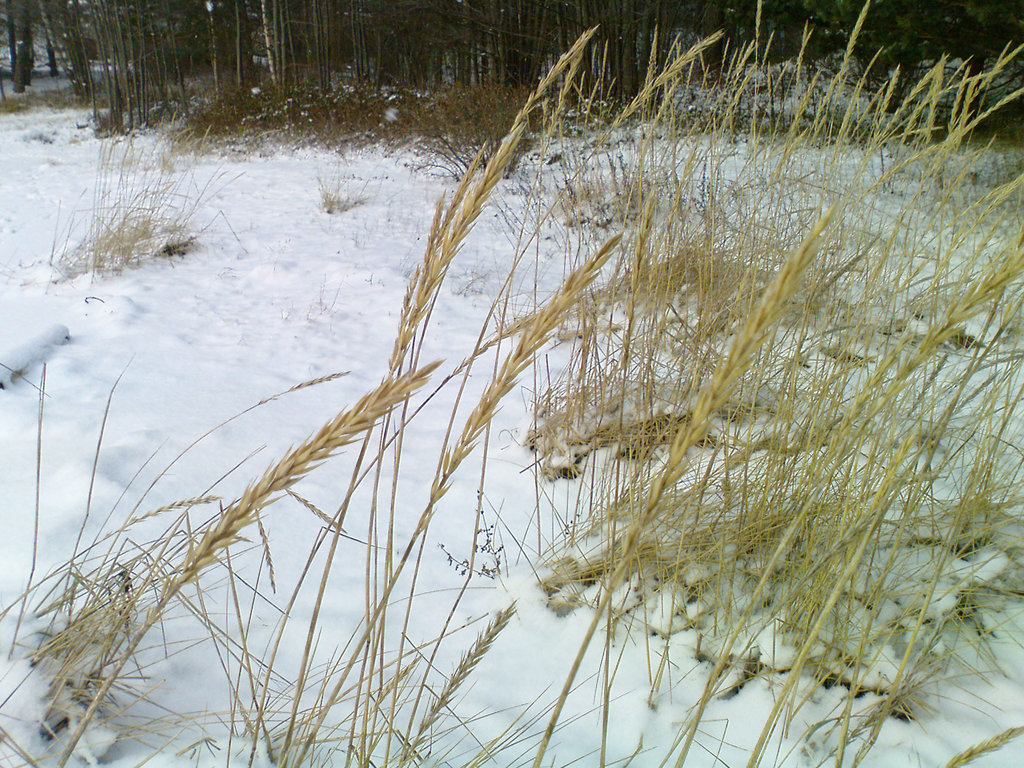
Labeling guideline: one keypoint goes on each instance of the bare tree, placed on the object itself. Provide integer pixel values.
(19, 37)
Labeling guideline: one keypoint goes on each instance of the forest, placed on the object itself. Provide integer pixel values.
(134, 55)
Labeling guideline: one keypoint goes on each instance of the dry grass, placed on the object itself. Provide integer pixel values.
(803, 443)
(63, 98)
(142, 210)
(101, 616)
(337, 195)
(968, 756)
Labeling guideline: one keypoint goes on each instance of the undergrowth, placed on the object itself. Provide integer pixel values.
(63, 98)
(450, 124)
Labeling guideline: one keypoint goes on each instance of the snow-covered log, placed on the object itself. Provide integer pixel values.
(15, 362)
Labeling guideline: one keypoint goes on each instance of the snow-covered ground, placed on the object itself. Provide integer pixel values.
(273, 292)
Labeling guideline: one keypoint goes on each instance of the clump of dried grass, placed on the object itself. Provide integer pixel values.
(792, 427)
(141, 210)
(338, 191)
(335, 198)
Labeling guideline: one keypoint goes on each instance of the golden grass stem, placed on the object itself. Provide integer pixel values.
(971, 754)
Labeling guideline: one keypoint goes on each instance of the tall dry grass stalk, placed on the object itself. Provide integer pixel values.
(802, 437)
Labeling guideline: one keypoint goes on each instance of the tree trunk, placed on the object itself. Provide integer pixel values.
(269, 34)
(213, 47)
(69, 21)
(19, 36)
(55, 56)
(23, 62)
(321, 15)
(243, 45)
(12, 35)
(711, 22)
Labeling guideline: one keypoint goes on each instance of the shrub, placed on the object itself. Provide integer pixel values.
(450, 125)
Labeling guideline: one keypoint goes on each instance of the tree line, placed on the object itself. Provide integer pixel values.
(136, 54)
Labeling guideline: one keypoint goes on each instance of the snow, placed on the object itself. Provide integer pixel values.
(276, 292)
